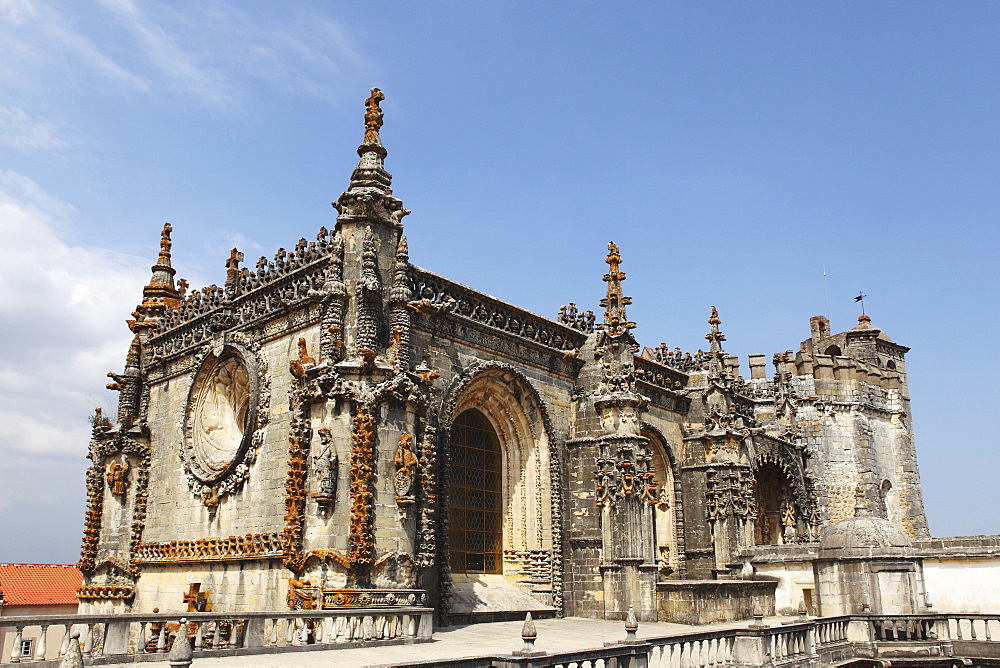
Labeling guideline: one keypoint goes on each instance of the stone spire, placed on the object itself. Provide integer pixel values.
(715, 338)
(160, 293)
(616, 322)
(161, 285)
(369, 197)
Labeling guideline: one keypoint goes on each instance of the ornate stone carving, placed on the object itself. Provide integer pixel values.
(570, 315)
(729, 492)
(92, 521)
(300, 366)
(301, 595)
(327, 466)
(406, 465)
(435, 293)
(373, 116)
(361, 539)
(295, 481)
(369, 296)
(105, 592)
(227, 413)
(118, 476)
(231, 548)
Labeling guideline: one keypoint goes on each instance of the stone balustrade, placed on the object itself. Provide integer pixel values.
(109, 638)
(819, 642)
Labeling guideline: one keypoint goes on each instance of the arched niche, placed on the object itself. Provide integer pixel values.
(773, 495)
(666, 511)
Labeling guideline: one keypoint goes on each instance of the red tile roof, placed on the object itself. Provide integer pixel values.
(39, 584)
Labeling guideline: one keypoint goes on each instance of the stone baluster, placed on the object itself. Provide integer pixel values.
(73, 658)
(15, 650)
(88, 641)
(41, 648)
(217, 635)
(161, 638)
(141, 649)
(198, 634)
(272, 640)
(290, 633)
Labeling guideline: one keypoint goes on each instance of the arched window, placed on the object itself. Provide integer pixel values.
(475, 496)
(891, 365)
(834, 351)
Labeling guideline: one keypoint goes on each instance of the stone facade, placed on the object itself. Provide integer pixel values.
(339, 427)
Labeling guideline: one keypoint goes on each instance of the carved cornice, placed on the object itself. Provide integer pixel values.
(434, 293)
(231, 548)
(105, 592)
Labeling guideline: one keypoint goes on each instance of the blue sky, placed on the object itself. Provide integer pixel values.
(733, 150)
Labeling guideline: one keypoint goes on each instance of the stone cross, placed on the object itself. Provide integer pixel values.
(195, 598)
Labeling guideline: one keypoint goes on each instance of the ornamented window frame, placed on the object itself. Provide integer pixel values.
(211, 486)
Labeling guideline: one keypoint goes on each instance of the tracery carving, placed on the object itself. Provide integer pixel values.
(729, 492)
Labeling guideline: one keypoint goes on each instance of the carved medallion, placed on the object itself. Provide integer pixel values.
(221, 424)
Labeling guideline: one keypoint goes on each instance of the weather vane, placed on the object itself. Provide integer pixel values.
(861, 298)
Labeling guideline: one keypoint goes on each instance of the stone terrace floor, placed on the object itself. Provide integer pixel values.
(453, 642)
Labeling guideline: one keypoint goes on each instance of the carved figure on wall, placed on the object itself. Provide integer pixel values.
(788, 522)
(303, 363)
(327, 469)
(406, 464)
(118, 476)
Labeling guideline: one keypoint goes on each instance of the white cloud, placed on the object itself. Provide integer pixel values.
(64, 309)
(39, 42)
(20, 131)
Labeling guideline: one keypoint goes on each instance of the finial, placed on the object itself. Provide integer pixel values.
(373, 117)
(233, 265)
(160, 292)
(181, 652)
(528, 635)
(715, 337)
(616, 321)
(164, 259)
(631, 626)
